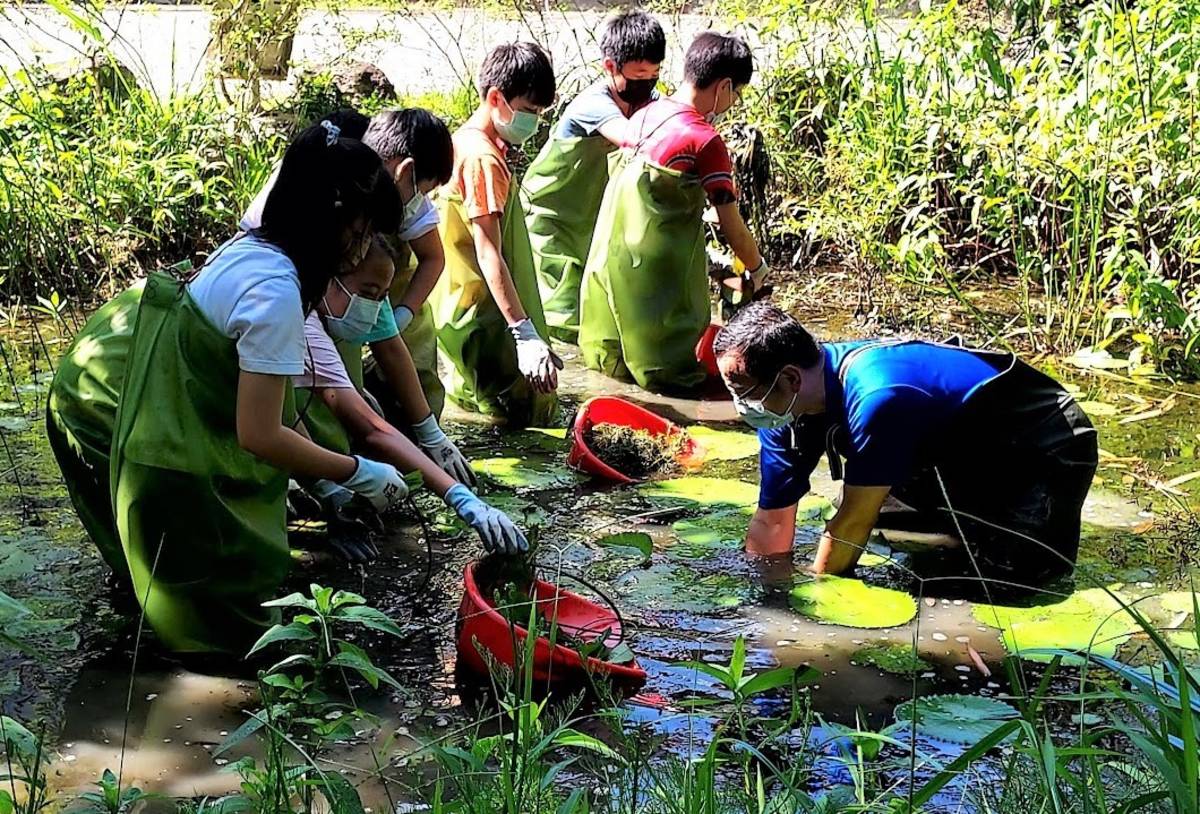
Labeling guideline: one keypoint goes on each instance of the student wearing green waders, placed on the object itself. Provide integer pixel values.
(563, 186)
(190, 383)
(417, 153)
(486, 307)
(644, 300)
(359, 296)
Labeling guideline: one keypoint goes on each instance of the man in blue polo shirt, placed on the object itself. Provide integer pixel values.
(981, 447)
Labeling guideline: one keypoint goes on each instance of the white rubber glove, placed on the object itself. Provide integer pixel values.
(442, 451)
(537, 363)
(379, 483)
(403, 315)
(759, 275)
(493, 526)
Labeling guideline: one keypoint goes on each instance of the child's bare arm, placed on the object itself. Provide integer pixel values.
(734, 228)
(485, 232)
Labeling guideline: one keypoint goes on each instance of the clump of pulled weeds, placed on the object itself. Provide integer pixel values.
(636, 453)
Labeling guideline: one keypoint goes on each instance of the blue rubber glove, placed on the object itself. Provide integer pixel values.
(379, 483)
(403, 315)
(497, 532)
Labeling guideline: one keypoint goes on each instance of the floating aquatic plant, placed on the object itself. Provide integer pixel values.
(516, 473)
(891, 657)
(852, 603)
(724, 445)
(959, 719)
(1088, 620)
(701, 491)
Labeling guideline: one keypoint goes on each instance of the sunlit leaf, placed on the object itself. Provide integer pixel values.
(716, 492)
(638, 540)
(1086, 620)
(516, 473)
(852, 603)
(724, 445)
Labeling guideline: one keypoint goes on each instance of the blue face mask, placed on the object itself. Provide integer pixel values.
(755, 413)
(357, 321)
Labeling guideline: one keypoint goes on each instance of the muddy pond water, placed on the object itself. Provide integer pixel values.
(160, 719)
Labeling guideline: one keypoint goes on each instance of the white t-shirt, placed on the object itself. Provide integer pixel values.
(425, 219)
(250, 291)
(254, 213)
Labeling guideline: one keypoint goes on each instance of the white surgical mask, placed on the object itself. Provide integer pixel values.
(413, 208)
(357, 321)
(755, 413)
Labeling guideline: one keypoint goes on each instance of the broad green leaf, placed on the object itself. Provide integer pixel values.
(17, 738)
(342, 797)
(256, 722)
(1179, 601)
(292, 632)
(724, 445)
(765, 682)
(852, 603)
(1086, 620)
(516, 473)
(369, 617)
(621, 654)
(293, 600)
(672, 587)
(962, 719)
(638, 540)
(700, 537)
(717, 492)
(356, 659)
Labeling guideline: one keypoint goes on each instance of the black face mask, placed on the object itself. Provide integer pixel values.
(637, 91)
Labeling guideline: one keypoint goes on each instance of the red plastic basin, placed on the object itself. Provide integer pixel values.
(482, 627)
(704, 350)
(613, 410)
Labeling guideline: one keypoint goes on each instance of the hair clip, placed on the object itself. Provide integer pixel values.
(332, 131)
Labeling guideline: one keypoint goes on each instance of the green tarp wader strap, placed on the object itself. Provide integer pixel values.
(201, 520)
(472, 333)
(561, 193)
(81, 413)
(644, 301)
(322, 425)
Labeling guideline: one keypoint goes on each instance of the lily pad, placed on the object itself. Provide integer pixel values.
(1184, 639)
(852, 603)
(891, 657)
(638, 540)
(664, 587)
(724, 445)
(516, 473)
(697, 538)
(542, 440)
(1179, 601)
(1086, 620)
(714, 492)
(525, 513)
(814, 508)
(959, 719)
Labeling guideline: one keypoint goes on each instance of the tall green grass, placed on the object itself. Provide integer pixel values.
(99, 182)
(1056, 146)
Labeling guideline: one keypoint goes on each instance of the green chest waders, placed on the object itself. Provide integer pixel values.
(561, 194)
(81, 412)
(644, 301)
(471, 331)
(201, 521)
